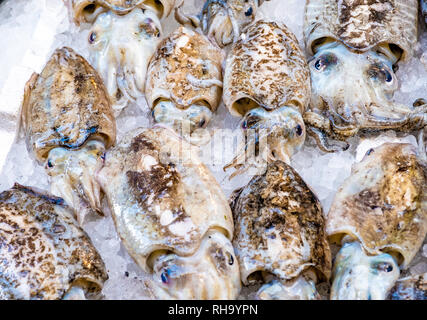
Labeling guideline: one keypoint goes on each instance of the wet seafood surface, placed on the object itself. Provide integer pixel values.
(267, 83)
(386, 192)
(184, 82)
(65, 105)
(410, 288)
(355, 48)
(223, 21)
(44, 251)
(280, 228)
(379, 216)
(68, 122)
(171, 215)
(363, 94)
(88, 10)
(122, 40)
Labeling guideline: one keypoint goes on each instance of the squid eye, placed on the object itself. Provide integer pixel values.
(325, 61)
(251, 120)
(165, 276)
(92, 37)
(384, 267)
(231, 259)
(202, 123)
(369, 151)
(380, 72)
(249, 12)
(299, 130)
(388, 76)
(49, 164)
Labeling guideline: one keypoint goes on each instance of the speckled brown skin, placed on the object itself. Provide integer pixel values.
(267, 83)
(268, 67)
(161, 195)
(279, 226)
(44, 252)
(65, 105)
(171, 215)
(410, 288)
(383, 204)
(183, 56)
(362, 24)
(88, 10)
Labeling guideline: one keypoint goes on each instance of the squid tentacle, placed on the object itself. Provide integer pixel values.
(323, 142)
(412, 122)
(347, 130)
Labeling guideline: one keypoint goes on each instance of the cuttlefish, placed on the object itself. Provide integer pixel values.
(45, 255)
(171, 215)
(184, 82)
(122, 39)
(267, 84)
(68, 123)
(354, 48)
(379, 219)
(280, 239)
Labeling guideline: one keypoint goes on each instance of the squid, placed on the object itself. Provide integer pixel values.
(184, 82)
(68, 124)
(122, 39)
(45, 254)
(379, 219)
(171, 215)
(355, 48)
(267, 84)
(280, 238)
